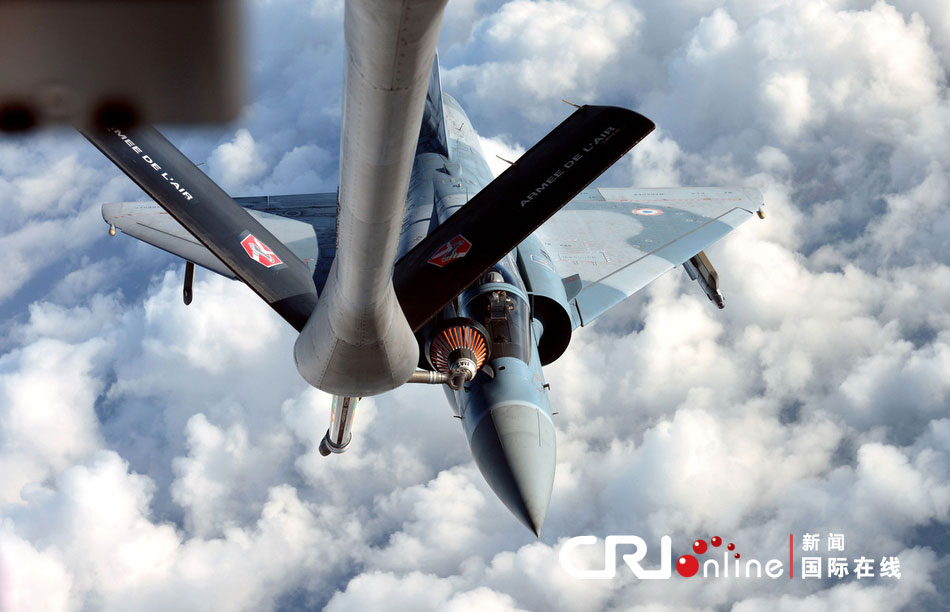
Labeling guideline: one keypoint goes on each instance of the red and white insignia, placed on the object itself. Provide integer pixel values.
(455, 248)
(647, 212)
(260, 252)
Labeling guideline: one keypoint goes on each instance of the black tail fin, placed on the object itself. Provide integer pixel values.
(512, 206)
(242, 244)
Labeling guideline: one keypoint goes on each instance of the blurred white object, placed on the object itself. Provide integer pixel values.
(119, 62)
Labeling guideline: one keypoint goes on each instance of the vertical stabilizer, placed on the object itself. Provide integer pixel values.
(432, 135)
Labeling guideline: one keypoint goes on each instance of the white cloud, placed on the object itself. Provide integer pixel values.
(376, 591)
(47, 419)
(656, 161)
(498, 152)
(788, 93)
(30, 580)
(532, 54)
(55, 186)
(36, 245)
(237, 163)
(713, 34)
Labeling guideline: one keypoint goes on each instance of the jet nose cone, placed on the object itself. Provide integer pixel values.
(514, 449)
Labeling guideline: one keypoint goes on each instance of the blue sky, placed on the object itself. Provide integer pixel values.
(156, 456)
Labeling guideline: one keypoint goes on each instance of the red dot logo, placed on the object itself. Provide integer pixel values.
(687, 566)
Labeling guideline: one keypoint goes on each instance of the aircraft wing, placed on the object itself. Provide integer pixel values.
(305, 223)
(607, 244)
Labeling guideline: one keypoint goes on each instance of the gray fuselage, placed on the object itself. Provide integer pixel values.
(504, 410)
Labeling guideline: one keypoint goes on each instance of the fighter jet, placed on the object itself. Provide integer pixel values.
(423, 267)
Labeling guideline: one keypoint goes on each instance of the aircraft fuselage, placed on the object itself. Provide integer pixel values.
(504, 409)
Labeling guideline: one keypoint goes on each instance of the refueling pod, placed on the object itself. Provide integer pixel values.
(459, 347)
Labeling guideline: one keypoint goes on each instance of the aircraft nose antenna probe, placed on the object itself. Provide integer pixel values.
(459, 349)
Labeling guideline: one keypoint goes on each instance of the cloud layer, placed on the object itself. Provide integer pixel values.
(156, 456)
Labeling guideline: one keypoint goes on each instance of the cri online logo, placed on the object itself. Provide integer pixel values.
(687, 566)
(732, 564)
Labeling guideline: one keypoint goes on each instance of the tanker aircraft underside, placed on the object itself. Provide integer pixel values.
(473, 282)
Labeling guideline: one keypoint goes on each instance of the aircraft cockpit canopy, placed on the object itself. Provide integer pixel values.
(503, 310)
